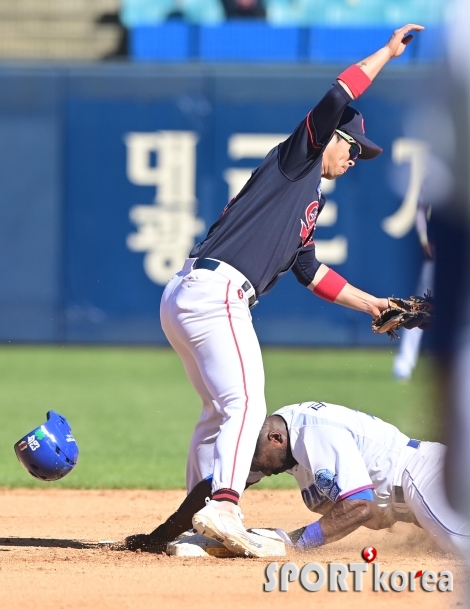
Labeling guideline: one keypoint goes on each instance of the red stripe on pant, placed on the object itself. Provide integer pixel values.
(244, 379)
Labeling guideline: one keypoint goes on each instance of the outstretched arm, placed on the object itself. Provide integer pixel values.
(395, 47)
(345, 517)
(179, 522)
(332, 287)
(340, 520)
(308, 141)
(327, 284)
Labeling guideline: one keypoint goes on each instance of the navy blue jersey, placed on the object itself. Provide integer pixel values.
(267, 229)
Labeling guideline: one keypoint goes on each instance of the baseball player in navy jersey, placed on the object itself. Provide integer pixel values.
(264, 232)
(352, 468)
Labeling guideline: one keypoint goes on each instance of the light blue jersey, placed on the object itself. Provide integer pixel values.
(341, 452)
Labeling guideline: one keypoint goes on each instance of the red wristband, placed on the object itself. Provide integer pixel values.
(355, 79)
(330, 286)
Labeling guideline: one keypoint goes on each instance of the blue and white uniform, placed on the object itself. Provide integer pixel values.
(341, 452)
(346, 454)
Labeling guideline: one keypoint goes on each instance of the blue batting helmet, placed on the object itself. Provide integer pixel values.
(50, 451)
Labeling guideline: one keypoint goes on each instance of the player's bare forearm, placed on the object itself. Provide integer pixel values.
(398, 42)
(351, 297)
(340, 520)
(395, 47)
(323, 507)
(345, 517)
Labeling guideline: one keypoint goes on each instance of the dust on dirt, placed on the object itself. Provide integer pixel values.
(49, 556)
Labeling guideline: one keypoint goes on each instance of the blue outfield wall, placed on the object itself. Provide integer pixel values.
(255, 41)
(109, 173)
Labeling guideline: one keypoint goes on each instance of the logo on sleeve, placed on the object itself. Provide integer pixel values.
(326, 484)
(307, 228)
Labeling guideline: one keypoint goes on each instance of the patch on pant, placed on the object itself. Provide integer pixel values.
(240, 294)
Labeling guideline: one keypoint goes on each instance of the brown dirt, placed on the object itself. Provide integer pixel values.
(45, 560)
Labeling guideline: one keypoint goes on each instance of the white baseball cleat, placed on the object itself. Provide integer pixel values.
(193, 544)
(227, 528)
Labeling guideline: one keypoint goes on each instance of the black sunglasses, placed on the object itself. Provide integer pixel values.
(355, 148)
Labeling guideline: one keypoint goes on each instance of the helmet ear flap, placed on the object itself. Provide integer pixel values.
(49, 452)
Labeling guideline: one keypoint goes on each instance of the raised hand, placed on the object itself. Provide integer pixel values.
(401, 38)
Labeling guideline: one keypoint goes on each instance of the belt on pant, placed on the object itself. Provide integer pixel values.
(209, 264)
(398, 495)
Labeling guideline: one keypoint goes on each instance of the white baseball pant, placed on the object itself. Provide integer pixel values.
(206, 319)
(425, 494)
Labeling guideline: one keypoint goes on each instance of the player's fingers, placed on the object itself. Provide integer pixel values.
(375, 312)
(409, 27)
(407, 39)
(401, 33)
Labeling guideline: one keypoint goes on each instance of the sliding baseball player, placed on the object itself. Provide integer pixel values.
(352, 468)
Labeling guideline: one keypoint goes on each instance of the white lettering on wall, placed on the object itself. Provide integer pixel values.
(415, 152)
(166, 230)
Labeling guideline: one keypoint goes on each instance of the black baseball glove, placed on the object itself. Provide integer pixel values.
(416, 312)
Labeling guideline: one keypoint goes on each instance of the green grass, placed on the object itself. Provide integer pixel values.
(132, 410)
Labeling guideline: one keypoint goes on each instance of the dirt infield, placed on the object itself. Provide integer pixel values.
(47, 560)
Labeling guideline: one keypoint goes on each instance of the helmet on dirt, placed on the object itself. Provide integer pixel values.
(50, 451)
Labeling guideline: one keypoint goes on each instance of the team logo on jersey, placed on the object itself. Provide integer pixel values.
(326, 484)
(307, 228)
